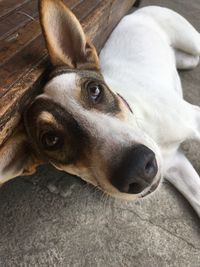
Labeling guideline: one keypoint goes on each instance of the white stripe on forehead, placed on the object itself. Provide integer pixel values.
(61, 87)
(65, 91)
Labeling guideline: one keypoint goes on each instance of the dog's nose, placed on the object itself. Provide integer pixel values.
(136, 170)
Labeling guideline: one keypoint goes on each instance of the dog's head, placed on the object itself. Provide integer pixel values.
(79, 124)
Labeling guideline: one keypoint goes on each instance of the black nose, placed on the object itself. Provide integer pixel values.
(136, 170)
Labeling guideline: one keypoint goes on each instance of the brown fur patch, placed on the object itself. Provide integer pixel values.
(75, 140)
(108, 102)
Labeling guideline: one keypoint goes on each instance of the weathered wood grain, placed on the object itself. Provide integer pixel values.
(23, 57)
(18, 18)
(10, 5)
(17, 39)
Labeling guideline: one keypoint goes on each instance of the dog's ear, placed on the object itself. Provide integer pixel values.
(16, 157)
(64, 36)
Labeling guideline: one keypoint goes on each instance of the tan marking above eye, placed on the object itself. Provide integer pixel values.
(47, 117)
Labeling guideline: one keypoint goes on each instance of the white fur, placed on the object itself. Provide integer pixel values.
(139, 61)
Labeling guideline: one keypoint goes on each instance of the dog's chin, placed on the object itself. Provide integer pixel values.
(131, 197)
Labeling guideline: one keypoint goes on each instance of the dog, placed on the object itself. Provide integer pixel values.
(116, 121)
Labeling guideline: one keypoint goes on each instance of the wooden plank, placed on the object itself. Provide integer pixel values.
(15, 101)
(85, 8)
(20, 38)
(101, 17)
(20, 64)
(10, 5)
(18, 18)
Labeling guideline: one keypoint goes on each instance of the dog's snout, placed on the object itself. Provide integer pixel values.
(136, 171)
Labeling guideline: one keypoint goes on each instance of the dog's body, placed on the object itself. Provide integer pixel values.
(140, 61)
(123, 140)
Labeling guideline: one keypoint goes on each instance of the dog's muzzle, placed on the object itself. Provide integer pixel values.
(136, 171)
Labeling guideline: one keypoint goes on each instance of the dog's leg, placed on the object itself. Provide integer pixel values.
(181, 35)
(185, 61)
(184, 177)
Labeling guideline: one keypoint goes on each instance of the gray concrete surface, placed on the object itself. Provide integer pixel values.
(38, 228)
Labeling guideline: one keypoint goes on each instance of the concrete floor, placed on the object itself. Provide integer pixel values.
(38, 228)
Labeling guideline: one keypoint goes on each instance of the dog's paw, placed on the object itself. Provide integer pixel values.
(63, 185)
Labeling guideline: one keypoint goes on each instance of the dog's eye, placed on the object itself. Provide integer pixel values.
(94, 91)
(51, 141)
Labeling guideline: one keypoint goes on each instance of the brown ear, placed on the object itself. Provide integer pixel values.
(16, 157)
(64, 36)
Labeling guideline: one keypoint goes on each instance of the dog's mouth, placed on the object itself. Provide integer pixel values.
(151, 189)
(131, 197)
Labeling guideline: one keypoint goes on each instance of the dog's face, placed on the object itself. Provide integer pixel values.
(82, 126)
